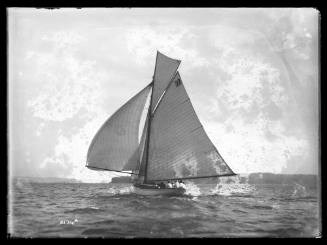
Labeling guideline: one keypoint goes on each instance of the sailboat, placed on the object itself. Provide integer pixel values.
(172, 144)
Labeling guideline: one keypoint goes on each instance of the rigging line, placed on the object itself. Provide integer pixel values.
(110, 170)
(143, 142)
(152, 114)
(145, 122)
(148, 133)
(159, 100)
(164, 92)
(170, 81)
(199, 177)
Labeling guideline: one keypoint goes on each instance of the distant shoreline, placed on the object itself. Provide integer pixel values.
(46, 179)
(250, 178)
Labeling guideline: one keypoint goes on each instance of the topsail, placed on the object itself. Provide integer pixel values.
(165, 70)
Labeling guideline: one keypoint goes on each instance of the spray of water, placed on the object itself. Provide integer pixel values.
(121, 190)
(232, 189)
(299, 190)
(192, 189)
(225, 186)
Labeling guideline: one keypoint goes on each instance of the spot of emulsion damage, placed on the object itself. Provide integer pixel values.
(217, 163)
(188, 168)
(185, 171)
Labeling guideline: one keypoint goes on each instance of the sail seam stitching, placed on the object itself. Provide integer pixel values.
(196, 129)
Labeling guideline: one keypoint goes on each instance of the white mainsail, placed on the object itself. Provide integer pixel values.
(179, 147)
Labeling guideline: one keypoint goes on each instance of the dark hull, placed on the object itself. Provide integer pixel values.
(151, 190)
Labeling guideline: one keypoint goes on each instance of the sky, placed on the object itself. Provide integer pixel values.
(252, 76)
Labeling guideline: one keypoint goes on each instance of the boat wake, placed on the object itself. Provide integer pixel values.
(192, 190)
(234, 189)
(121, 191)
(219, 189)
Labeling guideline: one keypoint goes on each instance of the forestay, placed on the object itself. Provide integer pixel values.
(179, 147)
(115, 146)
(142, 150)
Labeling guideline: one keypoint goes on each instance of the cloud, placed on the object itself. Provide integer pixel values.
(249, 112)
(73, 150)
(69, 84)
(246, 148)
(252, 82)
(144, 41)
(71, 91)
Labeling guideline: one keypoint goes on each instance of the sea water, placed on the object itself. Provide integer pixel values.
(206, 210)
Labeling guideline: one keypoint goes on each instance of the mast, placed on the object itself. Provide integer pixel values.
(150, 115)
(169, 66)
(149, 126)
(148, 135)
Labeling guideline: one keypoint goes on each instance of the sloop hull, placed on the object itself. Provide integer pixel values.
(143, 190)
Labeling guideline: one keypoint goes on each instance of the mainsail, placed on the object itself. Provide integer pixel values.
(179, 147)
(115, 146)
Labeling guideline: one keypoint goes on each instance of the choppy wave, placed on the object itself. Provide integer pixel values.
(84, 210)
(206, 210)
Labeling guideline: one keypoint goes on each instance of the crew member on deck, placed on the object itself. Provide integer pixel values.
(181, 184)
(169, 185)
(162, 185)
